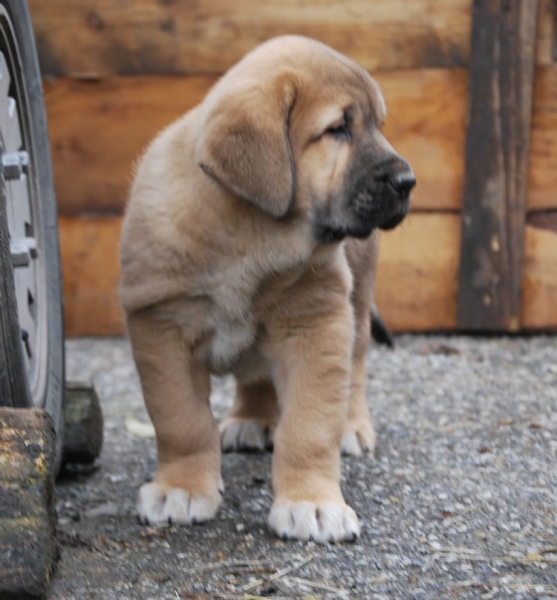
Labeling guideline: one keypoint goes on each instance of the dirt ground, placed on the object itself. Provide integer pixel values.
(460, 500)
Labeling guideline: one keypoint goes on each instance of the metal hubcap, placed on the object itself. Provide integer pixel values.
(23, 215)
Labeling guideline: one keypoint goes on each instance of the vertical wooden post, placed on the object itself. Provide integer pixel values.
(496, 163)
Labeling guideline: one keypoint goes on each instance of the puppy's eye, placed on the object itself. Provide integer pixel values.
(339, 132)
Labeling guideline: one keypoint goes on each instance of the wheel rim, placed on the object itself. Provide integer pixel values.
(22, 206)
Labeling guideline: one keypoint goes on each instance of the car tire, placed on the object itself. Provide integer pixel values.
(31, 366)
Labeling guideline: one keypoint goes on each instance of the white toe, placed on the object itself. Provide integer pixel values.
(157, 504)
(176, 507)
(150, 503)
(358, 441)
(321, 523)
(350, 444)
(201, 509)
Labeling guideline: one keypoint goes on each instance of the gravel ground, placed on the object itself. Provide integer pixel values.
(459, 502)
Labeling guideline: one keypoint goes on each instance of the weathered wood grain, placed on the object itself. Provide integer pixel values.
(98, 128)
(542, 178)
(90, 269)
(107, 37)
(417, 275)
(546, 43)
(416, 285)
(426, 123)
(496, 164)
(539, 283)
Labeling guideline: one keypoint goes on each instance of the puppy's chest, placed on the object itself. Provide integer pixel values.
(229, 341)
(232, 342)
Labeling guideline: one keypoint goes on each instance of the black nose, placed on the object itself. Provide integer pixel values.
(402, 183)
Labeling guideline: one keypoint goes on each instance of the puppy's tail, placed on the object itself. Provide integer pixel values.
(379, 331)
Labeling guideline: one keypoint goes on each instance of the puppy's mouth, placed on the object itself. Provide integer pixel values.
(361, 223)
(382, 206)
(385, 215)
(383, 200)
(391, 221)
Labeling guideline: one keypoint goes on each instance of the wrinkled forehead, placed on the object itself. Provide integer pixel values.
(341, 76)
(348, 85)
(316, 70)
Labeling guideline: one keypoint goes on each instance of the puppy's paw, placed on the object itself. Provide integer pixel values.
(244, 435)
(158, 504)
(358, 439)
(321, 523)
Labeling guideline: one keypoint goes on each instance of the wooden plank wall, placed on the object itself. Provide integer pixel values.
(496, 161)
(116, 73)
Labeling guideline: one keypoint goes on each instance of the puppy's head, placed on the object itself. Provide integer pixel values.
(295, 129)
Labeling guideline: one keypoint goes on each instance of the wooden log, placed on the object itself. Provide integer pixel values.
(91, 271)
(496, 164)
(542, 177)
(28, 546)
(417, 275)
(83, 425)
(539, 284)
(107, 37)
(416, 286)
(98, 128)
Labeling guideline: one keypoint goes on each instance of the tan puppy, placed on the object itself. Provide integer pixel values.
(233, 260)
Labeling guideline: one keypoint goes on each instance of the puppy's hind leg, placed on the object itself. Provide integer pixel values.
(251, 422)
(359, 435)
(187, 487)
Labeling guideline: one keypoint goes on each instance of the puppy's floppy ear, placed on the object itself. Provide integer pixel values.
(244, 143)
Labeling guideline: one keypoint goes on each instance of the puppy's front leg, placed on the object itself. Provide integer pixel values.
(313, 374)
(187, 486)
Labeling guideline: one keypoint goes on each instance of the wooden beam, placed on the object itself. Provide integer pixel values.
(496, 164)
(542, 177)
(418, 272)
(108, 37)
(539, 304)
(416, 280)
(426, 123)
(99, 128)
(91, 272)
(546, 46)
